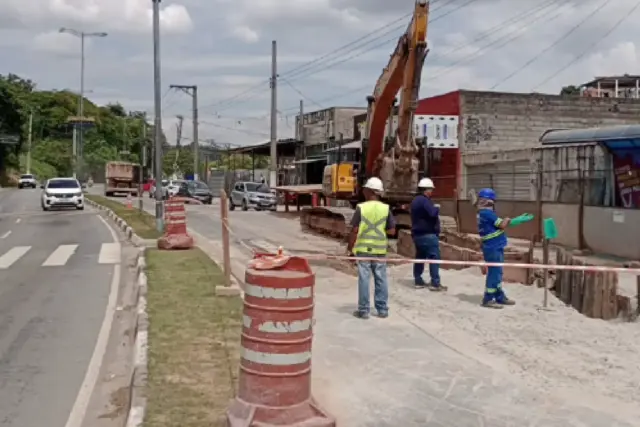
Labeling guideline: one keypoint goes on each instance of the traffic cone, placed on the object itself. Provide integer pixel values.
(129, 202)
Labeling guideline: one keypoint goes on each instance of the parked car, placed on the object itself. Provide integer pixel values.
(196, 190)
(62, 192)
(252, 195)
(163, 183)
(27, 181)
(171, 189)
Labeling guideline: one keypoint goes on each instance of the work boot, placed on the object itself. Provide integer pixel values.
(507, 301)
(492, 304)
(420, 284)
(437, 288)
(383, 314)
(361, 315)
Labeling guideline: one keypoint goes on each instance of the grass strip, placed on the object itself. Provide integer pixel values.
(194, 341)
(142, 223)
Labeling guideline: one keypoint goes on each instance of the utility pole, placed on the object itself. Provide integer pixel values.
(273, 176)
(157, 100)
(192, 91)
(178, 139)
(29, 141)
(300, 129)
(143, 162)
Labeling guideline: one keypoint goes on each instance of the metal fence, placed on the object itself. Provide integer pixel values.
(593, 187)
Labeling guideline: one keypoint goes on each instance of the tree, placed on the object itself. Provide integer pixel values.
(115, 134)
(570, 90)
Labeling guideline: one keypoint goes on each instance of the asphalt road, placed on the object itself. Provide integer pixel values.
(56, 274)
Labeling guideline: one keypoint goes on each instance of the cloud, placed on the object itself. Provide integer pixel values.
(330, 52)
(58, 43)
(133, 16)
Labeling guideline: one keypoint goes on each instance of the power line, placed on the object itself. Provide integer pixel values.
(341, 59)
(261, 84)
(516, 18)
(487, 33)
(350, 47)
(552, 45)
(505, 39)
(246, 131)
(300, 93)
(590, 48)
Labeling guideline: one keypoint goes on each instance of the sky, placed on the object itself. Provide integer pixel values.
(330, 52)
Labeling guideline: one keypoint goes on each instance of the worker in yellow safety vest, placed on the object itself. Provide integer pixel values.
(371, 223)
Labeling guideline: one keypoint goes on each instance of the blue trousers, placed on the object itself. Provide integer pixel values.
(378, 270)
(493, 288)
(427, 247)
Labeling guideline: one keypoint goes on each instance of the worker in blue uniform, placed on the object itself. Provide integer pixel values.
(494, 240)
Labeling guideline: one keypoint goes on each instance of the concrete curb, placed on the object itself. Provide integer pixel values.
(138, 383)
(122, 225)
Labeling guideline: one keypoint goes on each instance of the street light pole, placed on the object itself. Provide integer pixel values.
(78, 139)
(157, 100)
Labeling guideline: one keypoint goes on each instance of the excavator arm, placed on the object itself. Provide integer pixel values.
(398, 166)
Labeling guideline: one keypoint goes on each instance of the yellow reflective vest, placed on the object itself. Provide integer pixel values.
(372, 234)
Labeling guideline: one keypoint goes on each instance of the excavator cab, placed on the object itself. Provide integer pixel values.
(339, 180)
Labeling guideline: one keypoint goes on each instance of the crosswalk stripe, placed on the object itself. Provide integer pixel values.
(13, 255)
(60, 256)
(109, 253)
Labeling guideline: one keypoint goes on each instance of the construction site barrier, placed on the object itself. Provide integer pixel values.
(275, 366)
(175, 232)
(590, 289)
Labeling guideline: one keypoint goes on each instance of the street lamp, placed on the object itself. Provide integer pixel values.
(80, 141)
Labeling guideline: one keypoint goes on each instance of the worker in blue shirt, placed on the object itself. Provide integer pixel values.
(425, 231)
(494, 240)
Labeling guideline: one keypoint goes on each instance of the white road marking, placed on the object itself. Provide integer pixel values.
(18, 220)
(5, 235)
(13, 255)
(60, 256)
(79, 410)
(109, 253)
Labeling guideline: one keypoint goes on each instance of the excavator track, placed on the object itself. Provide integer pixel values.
(334, 222)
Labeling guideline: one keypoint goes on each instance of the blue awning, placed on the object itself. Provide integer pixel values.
(618, 137)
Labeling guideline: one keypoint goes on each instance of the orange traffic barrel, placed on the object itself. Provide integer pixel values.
(275, 366)
(175, 217)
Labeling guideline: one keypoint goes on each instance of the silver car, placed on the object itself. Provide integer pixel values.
(252, 195)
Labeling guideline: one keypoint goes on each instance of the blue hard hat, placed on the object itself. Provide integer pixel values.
(487, 193)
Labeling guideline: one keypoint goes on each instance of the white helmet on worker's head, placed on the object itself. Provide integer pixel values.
(426, 184)
(374, 184)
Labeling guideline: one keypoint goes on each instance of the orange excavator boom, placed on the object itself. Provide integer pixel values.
(402, 74)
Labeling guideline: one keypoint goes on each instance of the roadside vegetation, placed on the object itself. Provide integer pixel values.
(142, 223)
(194, 341)
(114, 134)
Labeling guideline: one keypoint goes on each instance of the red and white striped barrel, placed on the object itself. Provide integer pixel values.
(175, 217)
(275, 366)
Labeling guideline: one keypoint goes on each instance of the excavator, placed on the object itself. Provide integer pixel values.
(394, 160)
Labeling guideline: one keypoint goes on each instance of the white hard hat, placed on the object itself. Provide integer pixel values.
(374, 184)
(426, 183)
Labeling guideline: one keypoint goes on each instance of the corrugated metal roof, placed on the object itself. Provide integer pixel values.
(354, 145)
(623, 133)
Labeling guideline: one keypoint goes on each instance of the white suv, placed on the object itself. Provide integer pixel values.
(27, 180)
(62, 192)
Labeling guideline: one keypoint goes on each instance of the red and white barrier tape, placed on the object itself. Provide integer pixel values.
(324, 257)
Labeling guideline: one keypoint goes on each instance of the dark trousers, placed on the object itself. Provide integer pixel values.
(427, 247)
